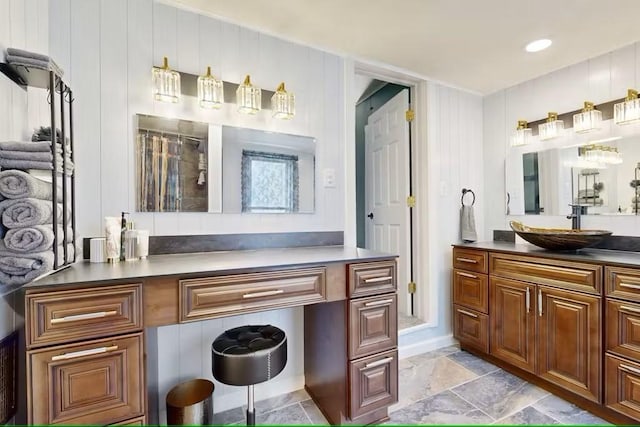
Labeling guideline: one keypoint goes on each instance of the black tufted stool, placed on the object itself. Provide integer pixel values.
(249, 355)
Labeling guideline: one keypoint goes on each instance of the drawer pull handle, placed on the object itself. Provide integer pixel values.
(83, 353)
(528, 299)
(472, 276)
(378, 279)
(381, 302)
(631, 309)
(468, 260)
(628, 285)
(378, 362)
(540, 302)
(87, 316)
(468, 313)
(630, 369)
(263, 294)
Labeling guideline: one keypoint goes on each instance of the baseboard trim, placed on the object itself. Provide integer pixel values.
(425, 346)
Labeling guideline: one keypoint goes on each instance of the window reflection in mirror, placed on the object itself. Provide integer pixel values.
(267, 172)
(548, 181)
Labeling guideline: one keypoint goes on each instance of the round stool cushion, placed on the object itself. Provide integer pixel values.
(249, 354)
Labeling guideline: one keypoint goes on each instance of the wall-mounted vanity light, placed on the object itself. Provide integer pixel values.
(588, 120)
(627, 111)
(283, 103)
(166, 83)
(248, 97)
(522, 134)
(210, 91)
(553, 128)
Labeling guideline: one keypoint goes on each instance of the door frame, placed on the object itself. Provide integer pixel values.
(424, 180)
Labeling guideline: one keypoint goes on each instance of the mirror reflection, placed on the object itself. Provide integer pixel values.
(267, 172)
(603, 176)
(185, 166)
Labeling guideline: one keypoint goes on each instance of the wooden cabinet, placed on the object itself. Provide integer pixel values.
(373, 383)
(373, 325)
(372, 278)
(513, 322)
(471, 328)
(471, 290)
(569, 341)
(546, 319)
(95, 382)
(622, 393)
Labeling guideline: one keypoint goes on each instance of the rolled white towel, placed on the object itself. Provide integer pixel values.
(33, 239)
(28, 212)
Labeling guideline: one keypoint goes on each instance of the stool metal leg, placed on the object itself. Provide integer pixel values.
(251, 410)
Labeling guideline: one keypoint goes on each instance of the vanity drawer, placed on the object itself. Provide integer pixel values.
(219, 296)
(96, 382)
(139, 421)
(372, 278)
(65, 316)
(623, 328)
(471, 290)
(373, 325)
(373, 383)
(470, 260)
(564, 274)
(471, 328)
(622, 391)
(623, 283)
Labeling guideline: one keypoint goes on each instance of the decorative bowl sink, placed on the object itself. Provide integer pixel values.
(558, 239)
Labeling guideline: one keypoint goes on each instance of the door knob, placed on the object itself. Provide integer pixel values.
(370, 216)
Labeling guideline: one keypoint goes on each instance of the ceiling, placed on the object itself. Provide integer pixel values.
(472, 44)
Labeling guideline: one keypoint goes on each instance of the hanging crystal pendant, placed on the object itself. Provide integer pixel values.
(248, 97)
(588, 120)
(166, 83)
(210, 91)
(553, 128)
(522, 134)
(627, 111)
(283, 103)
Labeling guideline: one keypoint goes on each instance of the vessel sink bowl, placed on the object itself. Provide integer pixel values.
(558, 239)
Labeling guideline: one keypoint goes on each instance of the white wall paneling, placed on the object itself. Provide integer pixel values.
(598, 79)
(107, 49)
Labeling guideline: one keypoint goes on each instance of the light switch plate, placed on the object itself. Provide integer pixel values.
(329, 178)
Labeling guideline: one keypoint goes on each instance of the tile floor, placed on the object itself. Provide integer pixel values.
(445, 386)
(405, 321)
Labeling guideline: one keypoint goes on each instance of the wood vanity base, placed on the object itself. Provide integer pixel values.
(86, 342)
(568, 323)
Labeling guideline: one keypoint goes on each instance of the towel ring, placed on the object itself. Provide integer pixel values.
(465, 191)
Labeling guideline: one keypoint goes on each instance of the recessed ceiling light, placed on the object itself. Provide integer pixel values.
(538, 45)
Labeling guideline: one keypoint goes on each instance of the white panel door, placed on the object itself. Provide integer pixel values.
(387, 186)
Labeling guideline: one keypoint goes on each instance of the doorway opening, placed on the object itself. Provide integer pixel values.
(384, 182)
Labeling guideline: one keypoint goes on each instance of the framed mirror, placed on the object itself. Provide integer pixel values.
(603, 176)
(186, 166)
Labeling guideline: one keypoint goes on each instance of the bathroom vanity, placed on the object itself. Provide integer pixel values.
(568, 322)
(85, 327)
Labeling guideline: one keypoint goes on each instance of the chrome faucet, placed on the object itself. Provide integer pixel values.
(576, 213)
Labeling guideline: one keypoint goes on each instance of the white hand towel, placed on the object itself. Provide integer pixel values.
(468, 224)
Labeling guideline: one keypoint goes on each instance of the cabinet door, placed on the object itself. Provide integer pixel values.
(513, 322)
(622, 392)
(569, 341)
(471, 328)
(373, 325)
(471, 290)
(373, 383)
(95, 382)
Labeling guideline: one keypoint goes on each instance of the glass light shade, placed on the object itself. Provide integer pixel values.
(166, 83)
(522, 135)
(283, 103)
(588, 120)
(627, 111)
(210, 91)
(553, 128)
(248, 97)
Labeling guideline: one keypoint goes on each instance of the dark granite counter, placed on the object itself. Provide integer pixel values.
(596, 256)
(200, 264)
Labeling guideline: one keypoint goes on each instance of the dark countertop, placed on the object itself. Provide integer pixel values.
(195, 264)
(596, 256)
